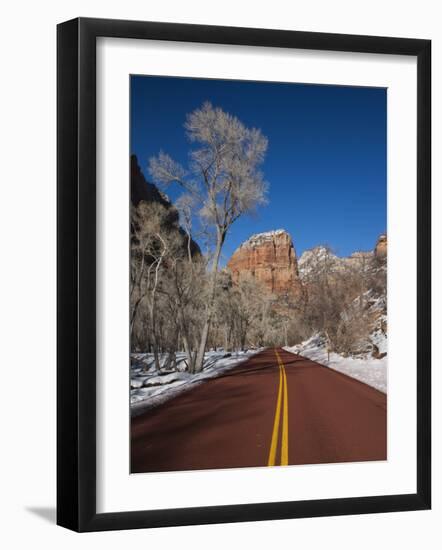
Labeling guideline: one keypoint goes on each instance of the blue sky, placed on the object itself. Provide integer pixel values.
(325, 164)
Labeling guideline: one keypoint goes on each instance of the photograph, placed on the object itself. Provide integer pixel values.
(258, 274)
(224, 330)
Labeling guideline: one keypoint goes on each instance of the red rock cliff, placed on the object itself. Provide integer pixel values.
(271, 259)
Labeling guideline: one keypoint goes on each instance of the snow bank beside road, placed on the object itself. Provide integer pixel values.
(368, 370)
(149, 388)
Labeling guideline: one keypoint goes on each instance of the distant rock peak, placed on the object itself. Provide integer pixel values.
(319, 258)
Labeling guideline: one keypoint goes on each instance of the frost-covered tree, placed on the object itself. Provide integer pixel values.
(223, 179)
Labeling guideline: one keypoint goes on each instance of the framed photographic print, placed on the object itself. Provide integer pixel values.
(243, 274)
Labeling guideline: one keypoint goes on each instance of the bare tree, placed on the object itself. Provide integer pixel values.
(145, 222)
(149, 251)
(341, 293)
(223, 179)
(184, 289)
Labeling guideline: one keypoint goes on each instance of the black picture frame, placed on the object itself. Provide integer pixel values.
(76, 274)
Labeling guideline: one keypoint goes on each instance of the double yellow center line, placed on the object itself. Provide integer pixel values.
(282, 409)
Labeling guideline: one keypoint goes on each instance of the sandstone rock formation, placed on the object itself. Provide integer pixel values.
(380, 250)
(271, 259)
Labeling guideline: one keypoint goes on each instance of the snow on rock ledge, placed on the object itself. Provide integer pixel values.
(259, 238)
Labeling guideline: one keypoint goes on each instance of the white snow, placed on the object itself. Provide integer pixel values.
(314, 260)
(149, 387)
(259, 238)
(367, 369)
(380, 340)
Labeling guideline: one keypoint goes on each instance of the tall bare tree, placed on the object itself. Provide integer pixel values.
(224, 180)
(149, 249)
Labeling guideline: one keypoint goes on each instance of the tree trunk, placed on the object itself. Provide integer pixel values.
(210, 303)
(133, 316)
(155, 336)
(187, 346)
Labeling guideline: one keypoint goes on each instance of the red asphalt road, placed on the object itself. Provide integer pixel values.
(230, 422)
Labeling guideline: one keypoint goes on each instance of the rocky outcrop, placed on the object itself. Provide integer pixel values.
(270, 258)
(380, 250)
(320, 259)
(317, 260)
(142, 190)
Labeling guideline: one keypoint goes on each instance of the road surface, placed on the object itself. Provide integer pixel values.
(275, 409)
